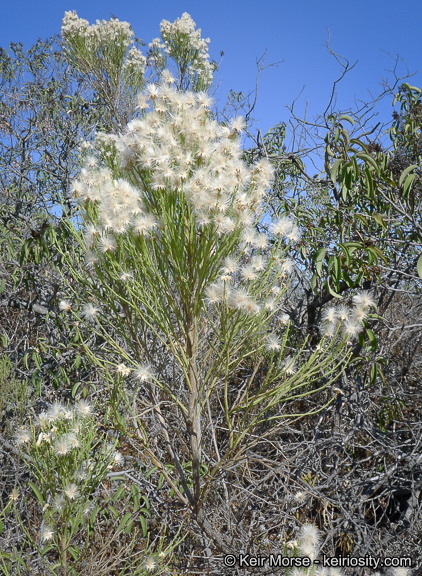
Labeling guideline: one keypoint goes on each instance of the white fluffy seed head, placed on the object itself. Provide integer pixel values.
(282, 227)
(330, 315)
(65, 306)
(47, 533)
(55, 412)
(22, 436)
(150, 564)
(83, 408)
(289, 366)
(72, 440)
(343, 313)
(230, 265)
(248, 273)
(123, 370)
(309, 541)
(144, 373)
(273, 343)
(214, 293)
(365, 300)
(89, 311)
(62, 446)
(71, 491)
(352, 327)
(59, 502)
(359, 313)
(400, 571)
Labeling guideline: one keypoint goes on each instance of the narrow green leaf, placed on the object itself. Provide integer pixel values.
(348, 178)
(37, 493)
(335, 168)
(355, 168)
(372, 339)
(331, 291)
(346, 137)
(380, 220)
(348, 280)
(377, 254)
(337, 268)
(93, 515)
(362, 219)
(359, 143)
(34, 377)
(144, 525)
(406, 172)
(419, 266)
(337, 135)
(369, 182)
(346, 253)
(412, 88)
(319, 259)
(36, 359)
(74, 553)
(353, 245)
(113, 511)
(75, 389)
(347, 118)
(119, 493)
(374, 371)
(374, 316)
(369, 160)
(381, 373)
(124, 520)
(329, 151)
(408, 184)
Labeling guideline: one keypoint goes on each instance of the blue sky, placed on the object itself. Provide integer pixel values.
(292, 32)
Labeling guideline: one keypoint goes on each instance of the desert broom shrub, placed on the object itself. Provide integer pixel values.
(172, 256)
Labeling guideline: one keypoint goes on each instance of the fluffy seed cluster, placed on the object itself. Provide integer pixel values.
(22, 436)
(135, 60)
(309, 537)
(71, 491)
(182, 32)
(285, 227)
(350, 319)
(47, 533)
(235, 298)
(176, 147)
(110, 31)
